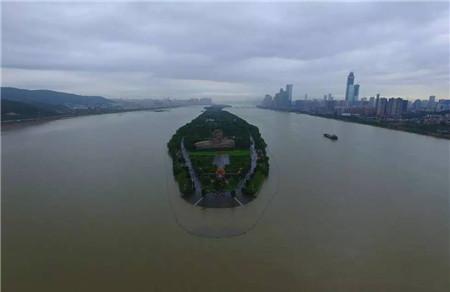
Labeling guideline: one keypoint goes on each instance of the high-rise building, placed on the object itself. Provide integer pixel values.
(351, 93)
(289, 93)
(404, 106)
(417, 105)
(381, 106)
(396, 107)
(377, 101)
(268, 101)
(279, 98)
(431, 103)
(355, 92)
(443, 105)
(352, 90)
(330, 106)
(390, 107)
(282, 99)
(350, 81)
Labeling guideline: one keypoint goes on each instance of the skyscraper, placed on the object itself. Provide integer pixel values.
(350, 81)
(282, 99)
(355, 92)
(351, 93)
(289, 93)
(352, 90)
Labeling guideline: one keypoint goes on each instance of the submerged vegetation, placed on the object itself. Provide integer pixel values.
(238, 166)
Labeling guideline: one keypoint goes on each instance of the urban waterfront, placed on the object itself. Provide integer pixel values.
(90, 204)
(427, 117)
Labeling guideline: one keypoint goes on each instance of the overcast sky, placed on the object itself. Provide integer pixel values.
(228, 50)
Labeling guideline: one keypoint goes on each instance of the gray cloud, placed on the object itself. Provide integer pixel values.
(226, 50)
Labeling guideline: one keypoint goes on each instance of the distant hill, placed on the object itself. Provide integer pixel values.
(19, 104)
(54, 98)
(14, 110)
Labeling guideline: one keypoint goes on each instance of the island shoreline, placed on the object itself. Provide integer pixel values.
(219, 160)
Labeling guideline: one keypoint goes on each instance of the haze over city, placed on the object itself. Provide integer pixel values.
(227, 51)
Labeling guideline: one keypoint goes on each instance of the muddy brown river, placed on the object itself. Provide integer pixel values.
(89, 204)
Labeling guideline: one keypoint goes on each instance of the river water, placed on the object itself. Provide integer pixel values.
(89, 204)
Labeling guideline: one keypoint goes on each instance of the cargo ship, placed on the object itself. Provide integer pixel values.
(330, 136)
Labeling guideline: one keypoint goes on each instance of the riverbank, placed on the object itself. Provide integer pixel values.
(437, 131)
(12, 124)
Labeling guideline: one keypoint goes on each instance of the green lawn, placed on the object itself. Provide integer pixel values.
(202, 161)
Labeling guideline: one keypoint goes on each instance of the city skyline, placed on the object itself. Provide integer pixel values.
(154, 50)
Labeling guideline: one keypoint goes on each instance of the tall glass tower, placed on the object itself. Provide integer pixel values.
(350, 81)
(289, 93)
(355, 92)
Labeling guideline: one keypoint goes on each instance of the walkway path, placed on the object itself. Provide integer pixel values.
(222, 199)
(243, 199)
(194, 177)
